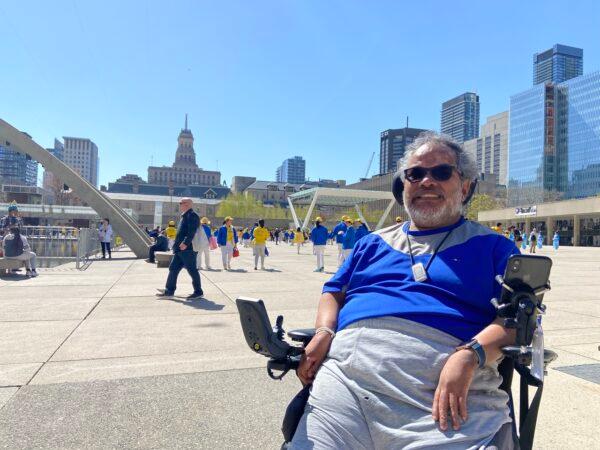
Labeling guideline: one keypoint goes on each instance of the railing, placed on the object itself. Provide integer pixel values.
(59, 245)
(88, 245)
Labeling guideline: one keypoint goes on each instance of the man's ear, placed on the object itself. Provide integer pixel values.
(468, 189)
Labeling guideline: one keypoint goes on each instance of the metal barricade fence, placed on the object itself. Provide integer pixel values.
(57, 245)
(88, 245)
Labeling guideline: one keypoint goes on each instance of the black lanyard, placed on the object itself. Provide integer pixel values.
(433, 255)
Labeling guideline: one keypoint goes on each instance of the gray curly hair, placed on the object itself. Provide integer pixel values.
(464, 161)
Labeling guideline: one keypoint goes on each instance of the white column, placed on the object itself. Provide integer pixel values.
(310, 210)
(294, 215)
(158, 207)
(359, 212)
(385, 214)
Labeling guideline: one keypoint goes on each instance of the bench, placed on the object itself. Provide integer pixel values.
(8, 264)
(163, 259)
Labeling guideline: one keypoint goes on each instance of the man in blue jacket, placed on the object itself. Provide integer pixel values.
(183, 252)
(318, 236)
(161, 245)
(362, 230)
(349, 237)
(338, 235)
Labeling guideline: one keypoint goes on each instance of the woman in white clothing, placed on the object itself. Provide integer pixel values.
(105, 233)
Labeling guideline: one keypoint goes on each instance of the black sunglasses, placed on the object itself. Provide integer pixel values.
(443, 172)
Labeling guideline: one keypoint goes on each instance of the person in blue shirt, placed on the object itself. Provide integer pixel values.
(361, 230)
(556, 240)
(338, 234)
(407, 342)
(161, 245)
(349, 238)
(318, 236)
(227, 238)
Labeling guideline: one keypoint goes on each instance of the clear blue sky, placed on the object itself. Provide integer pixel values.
(266, 80)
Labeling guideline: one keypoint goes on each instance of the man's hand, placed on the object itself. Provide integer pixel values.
(453, 388)
(313, 357)
(182, 246)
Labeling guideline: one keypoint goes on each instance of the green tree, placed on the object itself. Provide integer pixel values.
(480, 202)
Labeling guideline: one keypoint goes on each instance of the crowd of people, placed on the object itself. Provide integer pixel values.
(534, 240)
(227, 237)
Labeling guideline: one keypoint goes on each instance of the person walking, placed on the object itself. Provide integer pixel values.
(246, 238)
(171, 232)
(15, 246)
(105, 233)
(338, 235)
(184, 251)
(556, 240)
(276, 234)
(532, 240)
(518, 237)
(204, 243)
(261, 234)
(227, 239)
(349, 238)
(161, 245)
(361, 231)
(318, 236)
(298, 239)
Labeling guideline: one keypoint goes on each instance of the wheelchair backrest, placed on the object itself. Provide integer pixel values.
(258, 330)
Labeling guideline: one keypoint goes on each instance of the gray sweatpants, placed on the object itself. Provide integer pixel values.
(375, 391)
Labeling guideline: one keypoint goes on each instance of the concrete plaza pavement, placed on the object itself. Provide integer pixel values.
(92, 359)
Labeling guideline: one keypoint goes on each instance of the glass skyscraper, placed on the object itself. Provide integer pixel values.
(583, 135)
(554, 150)
(16, 168)
(392, 144)
(293, 170)
(557, 64)
(460, 117)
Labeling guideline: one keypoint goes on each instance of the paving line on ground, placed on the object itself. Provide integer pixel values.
(78, 325)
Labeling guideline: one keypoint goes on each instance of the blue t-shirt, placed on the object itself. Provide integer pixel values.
(378, 281)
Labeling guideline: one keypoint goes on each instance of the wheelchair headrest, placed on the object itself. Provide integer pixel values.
(398, 189)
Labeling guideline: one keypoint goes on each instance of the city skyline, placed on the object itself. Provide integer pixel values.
(244, 96)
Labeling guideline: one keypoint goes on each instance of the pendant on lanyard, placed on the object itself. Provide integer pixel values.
(418, 269)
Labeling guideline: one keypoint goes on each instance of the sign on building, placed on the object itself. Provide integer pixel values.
(526, 211)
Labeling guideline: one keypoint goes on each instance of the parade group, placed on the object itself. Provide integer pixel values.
(345, 234)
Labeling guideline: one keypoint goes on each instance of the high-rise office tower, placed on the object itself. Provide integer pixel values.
(293, 170)
(460, 117)
(81, 154)
(17, 168)
(490, 149)
(554, 149)
(557, 64)
(392, 145)
(58, 150)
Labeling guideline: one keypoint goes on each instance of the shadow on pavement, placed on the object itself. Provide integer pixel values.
(202, 303)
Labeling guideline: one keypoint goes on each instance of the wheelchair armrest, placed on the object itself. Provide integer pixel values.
(522, 355)
(303, 335)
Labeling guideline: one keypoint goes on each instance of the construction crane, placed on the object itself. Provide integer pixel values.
(369, 166)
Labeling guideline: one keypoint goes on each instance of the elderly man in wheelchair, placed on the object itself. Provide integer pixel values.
(412, 328)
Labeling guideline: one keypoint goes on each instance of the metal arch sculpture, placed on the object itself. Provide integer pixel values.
(134, 237)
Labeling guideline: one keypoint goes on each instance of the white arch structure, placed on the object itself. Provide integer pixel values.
(134, 237)
(339, 197)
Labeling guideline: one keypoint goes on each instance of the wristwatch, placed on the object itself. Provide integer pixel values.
(474, 345)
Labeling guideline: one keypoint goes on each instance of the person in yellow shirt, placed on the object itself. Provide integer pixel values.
(298, 238)
(261, 234)
(171, 232)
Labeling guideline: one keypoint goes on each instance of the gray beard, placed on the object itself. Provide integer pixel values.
(433, 218)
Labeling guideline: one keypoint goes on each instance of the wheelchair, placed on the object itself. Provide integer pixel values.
(519, 309)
